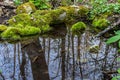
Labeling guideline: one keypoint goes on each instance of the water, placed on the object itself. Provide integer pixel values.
(61, 56)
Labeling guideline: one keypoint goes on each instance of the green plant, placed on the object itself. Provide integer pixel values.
(17, 2)
(115, 38)
(102, 6)
(41, 4)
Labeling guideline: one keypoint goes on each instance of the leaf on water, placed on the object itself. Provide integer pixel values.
(113, 39)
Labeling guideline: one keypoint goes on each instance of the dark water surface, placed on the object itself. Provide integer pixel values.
(57, 57)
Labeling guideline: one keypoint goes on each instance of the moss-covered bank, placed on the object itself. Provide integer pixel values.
(30, 21)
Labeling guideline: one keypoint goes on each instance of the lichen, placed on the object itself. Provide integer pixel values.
(78, 28)
(3, 28)
(26, 8)
(100, 23)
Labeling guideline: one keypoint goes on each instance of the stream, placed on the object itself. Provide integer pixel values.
(61, 56)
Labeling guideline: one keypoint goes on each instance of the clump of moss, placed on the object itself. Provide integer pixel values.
(45, 28)
(40, 12)
(23, 19)
(3, 28)
(100, 23)
(39, 20)
(78, 28)
(83, 11)
(11, 33)
(55, 15)
(70, 13)
(15, 33)
(26, 8)
(29, 30)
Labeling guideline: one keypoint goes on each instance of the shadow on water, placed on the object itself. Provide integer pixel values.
(61, 56)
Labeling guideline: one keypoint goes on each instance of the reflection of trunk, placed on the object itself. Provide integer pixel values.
(79, 57)
(22, 67)
(37, 58)
(73, 57)
(63, 58)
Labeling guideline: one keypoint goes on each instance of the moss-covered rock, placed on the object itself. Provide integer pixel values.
(26, 8)
(3, 28)
(100, 23)
(23, 19)
(78, 28)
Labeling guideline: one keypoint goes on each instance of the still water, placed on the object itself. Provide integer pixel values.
(61, 56)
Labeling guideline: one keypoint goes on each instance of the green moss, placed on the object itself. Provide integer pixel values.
(23, 19)
(45, 28)
(70, 13)
(78, 28)
(39, 20)
(26, 8)
(29, 31)
(40, 12)
(11, 33)
(15, 33)
(100, 23)
(3, 28)
(83, 11)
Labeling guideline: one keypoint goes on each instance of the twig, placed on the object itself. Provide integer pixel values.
(108, 29)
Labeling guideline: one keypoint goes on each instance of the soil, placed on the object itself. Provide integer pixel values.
(7, 10)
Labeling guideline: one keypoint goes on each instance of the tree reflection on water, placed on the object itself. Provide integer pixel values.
(64, 57)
